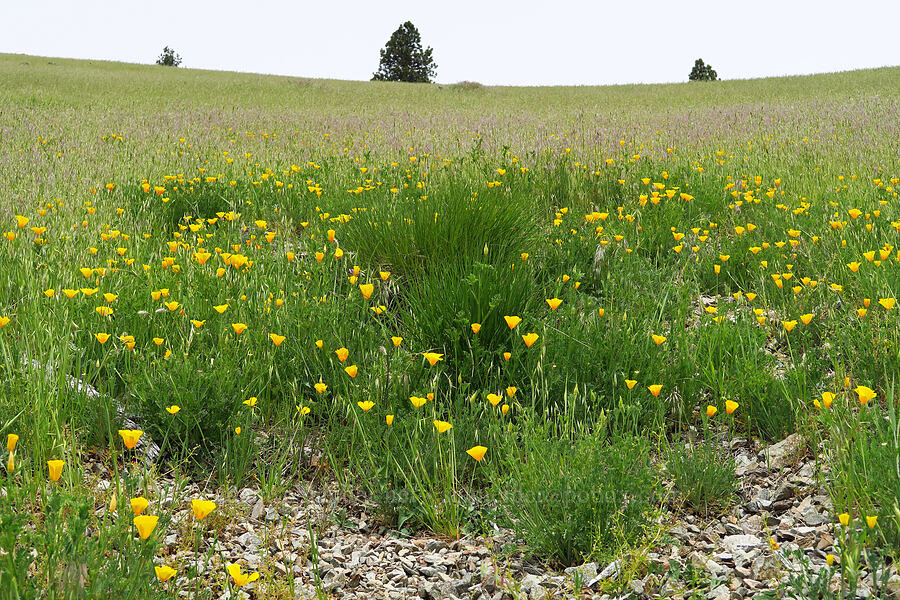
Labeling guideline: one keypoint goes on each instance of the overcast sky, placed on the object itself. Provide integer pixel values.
(492, 42)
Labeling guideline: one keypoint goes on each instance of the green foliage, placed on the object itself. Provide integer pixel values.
(403, 59)
(864, 453)
(703, 475)
(72, 558)
(811, 582)
(702, 72)
(576, 496)
(168, 58)
(456, 259)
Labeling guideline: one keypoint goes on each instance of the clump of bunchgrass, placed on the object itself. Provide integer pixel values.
(703, 475)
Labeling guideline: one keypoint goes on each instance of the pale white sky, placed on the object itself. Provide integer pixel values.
(493, 42)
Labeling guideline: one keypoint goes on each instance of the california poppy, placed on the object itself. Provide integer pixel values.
(202, 508)
(477, 452)
(442, 426)
(432, 357)
(145, 525)
(241, 579)
(130, 437)
(512, 321)
(55, 467)
(865, 394)
(139, 505)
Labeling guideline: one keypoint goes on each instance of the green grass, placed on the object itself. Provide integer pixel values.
(712, 215)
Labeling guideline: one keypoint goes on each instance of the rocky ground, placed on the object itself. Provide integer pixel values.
(313, 535)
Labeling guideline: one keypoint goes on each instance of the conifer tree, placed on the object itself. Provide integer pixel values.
(403, 59)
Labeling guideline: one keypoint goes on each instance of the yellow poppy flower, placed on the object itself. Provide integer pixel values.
(139, 505)
(130, 437)
(366, 405)
(731, 406)
(54, 468)
(417, 401)
(655, 389)
(887, 303)
(389, 419)
(320, 387)
(530, 338)
(251, 401)
(442, 426)
(512, 321)
(432, 357)
(277, 339)
(865, 394)
(711, 411)
(554, 303)
(145, 525)
(352, 370)
(241, 579)
(11, 440)
(202, 508)
(366, 289)
(239, 328)
(164, 573)
(476, 327)
(342, 354)
(477, 452)
(659, 339)
(303, 410)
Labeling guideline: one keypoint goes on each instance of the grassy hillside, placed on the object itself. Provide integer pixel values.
(72, 104)
(462, 299)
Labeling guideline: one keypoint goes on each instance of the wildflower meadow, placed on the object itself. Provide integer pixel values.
(551, 314)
